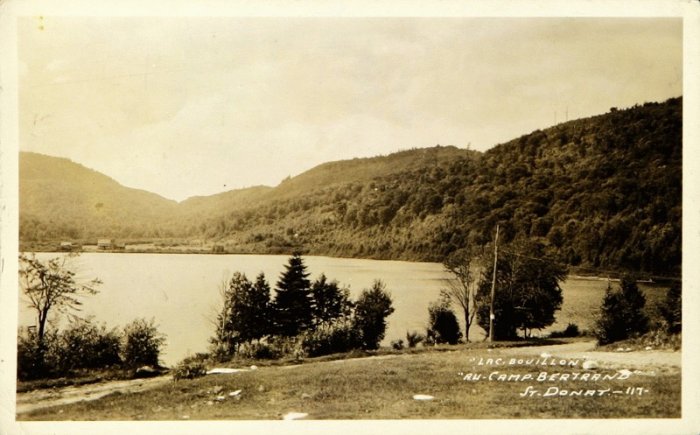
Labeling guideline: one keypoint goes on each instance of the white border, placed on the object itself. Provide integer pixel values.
(689, 10)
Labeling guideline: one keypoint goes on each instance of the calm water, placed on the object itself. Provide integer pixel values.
(181, 292)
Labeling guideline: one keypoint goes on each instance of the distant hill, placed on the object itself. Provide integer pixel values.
(603, 192)
(59, 198)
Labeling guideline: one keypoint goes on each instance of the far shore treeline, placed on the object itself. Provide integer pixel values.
(601, 194)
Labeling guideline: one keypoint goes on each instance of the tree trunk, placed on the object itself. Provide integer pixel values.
(466, 325)
(43, 314)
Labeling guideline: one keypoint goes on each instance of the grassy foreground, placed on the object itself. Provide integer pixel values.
(383, 388)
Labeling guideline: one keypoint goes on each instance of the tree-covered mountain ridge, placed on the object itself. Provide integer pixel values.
(602, 192)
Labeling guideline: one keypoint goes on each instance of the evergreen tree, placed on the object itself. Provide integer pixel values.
(671, 309)
(329, 300)
(293, 303)
(622, 313)
(259, 309)
(637, 321)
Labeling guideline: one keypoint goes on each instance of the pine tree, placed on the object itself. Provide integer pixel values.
(260, 308)
(671, 309)
(637, 321)
(622, 313)
(293, 302)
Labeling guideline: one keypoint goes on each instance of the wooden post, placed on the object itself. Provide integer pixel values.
(493, 286)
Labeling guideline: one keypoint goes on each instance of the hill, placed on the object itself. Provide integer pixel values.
(62, 199)
(603, 192)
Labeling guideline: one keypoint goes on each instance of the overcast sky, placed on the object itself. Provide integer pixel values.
(196, 106)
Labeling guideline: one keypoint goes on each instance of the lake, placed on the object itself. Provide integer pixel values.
(181, 292)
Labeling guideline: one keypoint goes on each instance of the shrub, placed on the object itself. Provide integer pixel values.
(35, 360)
(85, 345)
(414, 338)
(429, 338)
(659, 339)
(141, 343)
(622, 313)
(333, 337)
(261, 350)
(443, 324)
(571, 330)
(397, 344)
(189, 368)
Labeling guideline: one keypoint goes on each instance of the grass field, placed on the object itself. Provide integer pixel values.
(383, 387)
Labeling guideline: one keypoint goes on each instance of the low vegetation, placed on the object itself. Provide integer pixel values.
(381, 388)
(84, 345)
(570, 331)
(190, 368)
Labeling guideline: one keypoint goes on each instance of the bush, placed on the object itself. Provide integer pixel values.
(659, 339)
(622, 313)
(570, 331)
(262, 350)
(397, 344)
(141, 343)
(414, 338)
(334, 337)
(35, 361)
(443, 325)
(85, 345)
(189, 368)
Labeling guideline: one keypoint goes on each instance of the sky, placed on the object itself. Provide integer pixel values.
(196, 106)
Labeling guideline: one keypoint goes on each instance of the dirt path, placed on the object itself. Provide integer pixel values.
(38, 399)
(646, 360)
(586, 350)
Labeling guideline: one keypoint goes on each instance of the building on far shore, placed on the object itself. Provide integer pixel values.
(66, 246)
(104, 244)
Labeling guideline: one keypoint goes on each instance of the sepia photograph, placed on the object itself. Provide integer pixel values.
(256, 215)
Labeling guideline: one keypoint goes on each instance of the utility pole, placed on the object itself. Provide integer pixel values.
(493, 286)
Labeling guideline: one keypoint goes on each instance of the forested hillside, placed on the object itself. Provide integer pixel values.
(62, 199)
(603, 192)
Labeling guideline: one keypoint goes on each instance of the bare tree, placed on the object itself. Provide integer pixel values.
(51, 285)
(461, 288)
